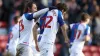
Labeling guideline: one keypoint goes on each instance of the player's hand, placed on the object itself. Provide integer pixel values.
(52, 7)
(67, 43)
(37, 48)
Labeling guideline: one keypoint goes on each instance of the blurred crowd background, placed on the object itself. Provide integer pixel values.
(9, 9)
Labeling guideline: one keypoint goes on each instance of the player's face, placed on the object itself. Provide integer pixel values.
(88, 20)
(18, 19)
(65, 15)
(34, 8)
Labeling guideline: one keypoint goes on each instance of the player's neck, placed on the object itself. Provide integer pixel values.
(82, 22)
(29, 11)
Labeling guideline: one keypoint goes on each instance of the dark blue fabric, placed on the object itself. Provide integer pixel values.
(42, 23)
(75, 27)
(60, 19)
(72, 34)
(28, 16)
(86, 30)
(10, 30)
(39, 39)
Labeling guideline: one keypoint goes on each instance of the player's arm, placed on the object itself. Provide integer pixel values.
(63, 26)
(87, 34)
(64, 31)
(43, 11)
(35, 33)
(14, 36)
(37, 14)
(40, 12)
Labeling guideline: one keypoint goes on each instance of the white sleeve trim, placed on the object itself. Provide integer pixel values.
(40, 12)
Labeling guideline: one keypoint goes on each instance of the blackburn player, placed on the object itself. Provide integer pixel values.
(26, 25)
(14, 37)
(49, 24)
(80, 33)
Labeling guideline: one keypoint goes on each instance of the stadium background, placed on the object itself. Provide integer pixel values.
(11, 8)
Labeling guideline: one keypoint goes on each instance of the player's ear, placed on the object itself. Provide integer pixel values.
(62, 11)
(29, 9)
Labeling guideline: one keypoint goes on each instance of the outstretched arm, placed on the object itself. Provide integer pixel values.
(37, 14)
(30, 16)
(40, 12)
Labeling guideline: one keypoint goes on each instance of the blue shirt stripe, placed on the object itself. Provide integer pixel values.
(42, 23)
(60, 19)
(86, 30)
(75, 27)
(28, 16)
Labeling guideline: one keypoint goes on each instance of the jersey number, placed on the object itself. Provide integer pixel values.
(79, 33)
(21, 25)
(45, 25)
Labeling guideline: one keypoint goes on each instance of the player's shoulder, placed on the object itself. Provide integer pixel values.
(53, 12)
(25, 14)
(71, 25)
(15, 27)
(87, 26)
(27, 17)
(56, 10)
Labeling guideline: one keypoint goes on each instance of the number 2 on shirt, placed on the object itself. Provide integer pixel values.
(46, 25)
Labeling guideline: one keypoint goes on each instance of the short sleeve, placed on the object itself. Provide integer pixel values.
(15, 31)
(87, 30)
(71, 25)
(28, 16)
(60, 18)
(38, 22)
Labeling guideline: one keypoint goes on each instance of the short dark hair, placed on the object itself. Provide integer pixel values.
(16, 19)
(62, 6)
(28, 5)
(85, 16)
